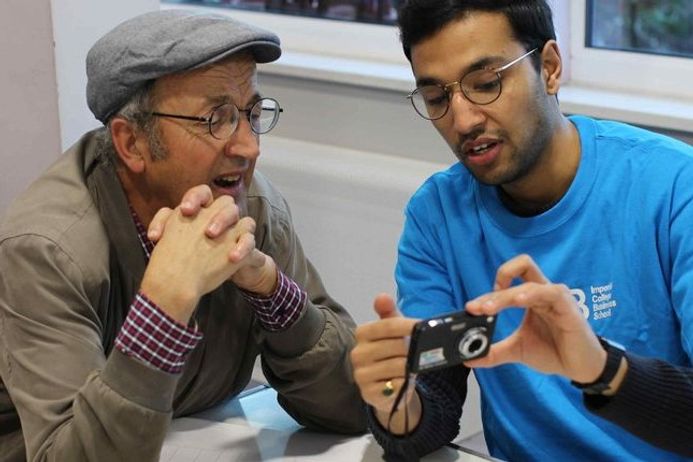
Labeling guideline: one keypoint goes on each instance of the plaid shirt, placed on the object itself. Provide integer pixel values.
(153, 337)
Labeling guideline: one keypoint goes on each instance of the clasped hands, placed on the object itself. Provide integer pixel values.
(199, 245)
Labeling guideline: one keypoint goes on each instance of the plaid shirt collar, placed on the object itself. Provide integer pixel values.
(147, 245)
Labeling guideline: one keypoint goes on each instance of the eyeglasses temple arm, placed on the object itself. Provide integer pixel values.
(514, 61)
(176, 116)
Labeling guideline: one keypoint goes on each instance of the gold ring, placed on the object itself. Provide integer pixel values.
(388, 389)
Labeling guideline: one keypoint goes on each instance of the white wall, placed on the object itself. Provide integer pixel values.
(77, 24)
(347, 208)
(43, 45)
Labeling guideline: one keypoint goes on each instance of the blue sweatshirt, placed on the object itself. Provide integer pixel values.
(621, 238)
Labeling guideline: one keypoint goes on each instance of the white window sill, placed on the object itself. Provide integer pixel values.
(647, 110)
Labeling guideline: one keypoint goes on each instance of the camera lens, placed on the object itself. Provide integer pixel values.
(473, 342)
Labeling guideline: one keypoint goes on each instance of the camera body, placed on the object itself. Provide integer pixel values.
(449, 340)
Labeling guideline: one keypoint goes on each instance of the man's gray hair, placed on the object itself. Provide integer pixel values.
(138, 111)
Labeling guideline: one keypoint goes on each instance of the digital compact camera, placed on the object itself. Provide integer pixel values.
(449, 340)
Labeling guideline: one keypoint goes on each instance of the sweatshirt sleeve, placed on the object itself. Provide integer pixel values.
(654, 402)
(442, 395)
(74, 402)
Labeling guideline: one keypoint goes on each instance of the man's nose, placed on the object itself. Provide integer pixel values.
(244, 142)
(466, 115)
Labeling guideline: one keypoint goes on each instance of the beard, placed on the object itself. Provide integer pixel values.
(531, 147)
(525, 159)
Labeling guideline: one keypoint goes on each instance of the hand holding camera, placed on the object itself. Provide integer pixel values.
(385, 347)
(379, 362)
(553, 338)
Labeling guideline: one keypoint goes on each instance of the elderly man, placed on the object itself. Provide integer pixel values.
(104, 336)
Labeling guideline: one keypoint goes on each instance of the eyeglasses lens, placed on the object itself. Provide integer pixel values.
(480, 87)
(265, 115)
(223, 121)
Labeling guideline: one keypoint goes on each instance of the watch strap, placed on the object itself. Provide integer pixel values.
(614, 353)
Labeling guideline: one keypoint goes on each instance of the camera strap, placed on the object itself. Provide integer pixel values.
(404, 391)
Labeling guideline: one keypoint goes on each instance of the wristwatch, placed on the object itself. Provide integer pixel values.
(614, 353)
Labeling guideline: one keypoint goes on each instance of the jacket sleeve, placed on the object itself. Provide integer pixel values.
(74, 403)
(442, 396)
(654, 402)
(308, 363)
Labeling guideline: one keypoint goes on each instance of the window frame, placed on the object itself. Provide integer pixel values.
(641, 73)
(367, 42)
(656, 74)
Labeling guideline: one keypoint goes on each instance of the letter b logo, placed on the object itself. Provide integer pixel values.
(580, 298)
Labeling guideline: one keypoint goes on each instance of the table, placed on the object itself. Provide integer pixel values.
(253, 427)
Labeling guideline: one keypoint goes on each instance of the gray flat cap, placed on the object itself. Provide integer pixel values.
(164, 42)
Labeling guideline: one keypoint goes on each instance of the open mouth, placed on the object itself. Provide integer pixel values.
(481, 149)
(227, 181)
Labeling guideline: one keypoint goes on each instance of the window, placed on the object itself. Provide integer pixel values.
(646, 26)
(626, 71)
(369, 11)
(600, 79)
(309, 35)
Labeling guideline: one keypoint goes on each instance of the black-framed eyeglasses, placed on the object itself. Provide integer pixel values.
(480, 86)
(223, 120)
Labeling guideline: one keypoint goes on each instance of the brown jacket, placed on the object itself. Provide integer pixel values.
(70, 264)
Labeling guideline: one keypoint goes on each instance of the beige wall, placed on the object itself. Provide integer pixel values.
(29, 127)
(43, 44)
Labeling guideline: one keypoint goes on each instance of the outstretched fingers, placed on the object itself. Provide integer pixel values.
(522, 267)
(541, 298)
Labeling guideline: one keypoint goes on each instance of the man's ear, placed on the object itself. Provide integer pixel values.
(130, 144)
(551, 67)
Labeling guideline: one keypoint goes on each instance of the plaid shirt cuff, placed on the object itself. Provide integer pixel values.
(154, 338)
(282, 309)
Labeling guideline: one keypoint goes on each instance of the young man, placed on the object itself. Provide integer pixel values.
(104, 336)
(604, 207)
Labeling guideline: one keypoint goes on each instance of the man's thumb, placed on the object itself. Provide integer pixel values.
(385, 306)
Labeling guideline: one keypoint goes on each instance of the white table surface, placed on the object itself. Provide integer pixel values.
(254, 427)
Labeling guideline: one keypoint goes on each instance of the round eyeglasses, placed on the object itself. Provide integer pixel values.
(480, 86)
(223, 120)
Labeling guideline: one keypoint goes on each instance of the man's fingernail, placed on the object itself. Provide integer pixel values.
(213, 228)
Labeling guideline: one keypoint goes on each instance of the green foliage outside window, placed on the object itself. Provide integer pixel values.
(654, 26)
